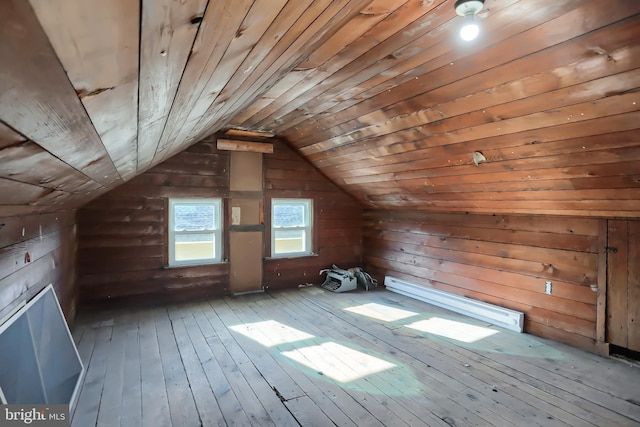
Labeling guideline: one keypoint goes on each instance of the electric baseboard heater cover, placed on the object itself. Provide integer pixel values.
(39, 362)
(500, 316)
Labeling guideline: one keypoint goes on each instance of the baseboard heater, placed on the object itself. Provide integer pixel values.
(504, 317)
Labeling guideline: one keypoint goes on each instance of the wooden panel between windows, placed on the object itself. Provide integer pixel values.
(245, 259)
(246, 247)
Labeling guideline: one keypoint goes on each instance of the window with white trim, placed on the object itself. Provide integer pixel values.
(195, 231)
(291, 227)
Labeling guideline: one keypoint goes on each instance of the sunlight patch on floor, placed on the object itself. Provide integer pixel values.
(270, 333)
(458, 331)
(338, 362)
(381, 312)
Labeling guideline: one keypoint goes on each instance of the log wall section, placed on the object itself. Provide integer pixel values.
(503, 260)
(337, 220)
(123, 234)
(36, 250)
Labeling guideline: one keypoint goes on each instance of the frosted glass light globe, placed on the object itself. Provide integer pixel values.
(469, 31)
(468, 9)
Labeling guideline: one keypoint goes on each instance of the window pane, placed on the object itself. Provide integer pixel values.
(194, 217)
(289, 241)
(195, 246)
(289, 215)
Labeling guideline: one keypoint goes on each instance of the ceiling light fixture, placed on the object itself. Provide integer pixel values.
(468, 9)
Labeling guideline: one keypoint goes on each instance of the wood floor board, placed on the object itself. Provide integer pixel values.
(155, 403)
(90, 399)
(351, 400)
(467, 411)
(308, 357)
(181, 405)
(78, 333)
(205, 401)
(308, 413)
(222, 347)
(525, 399)
(392, 389)
(85, 339)
(335, 404)
(558, 382)
(255, 411)
(614, 410)
(273, 373)
(131, 405)
(576, 365)
(562, 369)
(255, 372)
(452, 363)
(111, 400)
(200, 330)
(258, 389)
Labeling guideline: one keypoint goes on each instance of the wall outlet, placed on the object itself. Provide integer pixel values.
(548, 287)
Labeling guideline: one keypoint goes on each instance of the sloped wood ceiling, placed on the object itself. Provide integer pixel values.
(382, 96)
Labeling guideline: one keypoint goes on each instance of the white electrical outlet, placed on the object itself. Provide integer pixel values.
(548, 287)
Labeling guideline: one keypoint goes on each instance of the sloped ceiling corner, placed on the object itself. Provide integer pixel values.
(381, 96)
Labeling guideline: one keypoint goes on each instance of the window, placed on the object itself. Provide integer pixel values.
(195, 235)
(291, 227)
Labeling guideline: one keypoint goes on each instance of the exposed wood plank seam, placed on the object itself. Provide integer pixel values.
(175, 95)
(89, 179)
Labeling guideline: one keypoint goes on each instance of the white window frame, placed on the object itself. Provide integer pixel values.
(217, 231)
(308, 204)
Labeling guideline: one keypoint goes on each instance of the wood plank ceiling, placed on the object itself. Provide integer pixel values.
(382, 96)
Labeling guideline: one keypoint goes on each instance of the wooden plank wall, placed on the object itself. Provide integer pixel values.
(36, 250)
(504, 260)
(337, 220)
(123, 241)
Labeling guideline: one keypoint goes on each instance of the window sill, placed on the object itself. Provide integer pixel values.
(290, 257)
(203, 264)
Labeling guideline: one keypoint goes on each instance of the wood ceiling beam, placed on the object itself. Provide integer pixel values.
(516, 43)
(229, 34)
(371, 54)
(98, 48)
(167, 38)
(38, 101)
(236, 145)
(309, 33)
(249, 133)
(322, 61)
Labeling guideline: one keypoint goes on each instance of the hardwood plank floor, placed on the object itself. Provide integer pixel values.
(308, 357)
